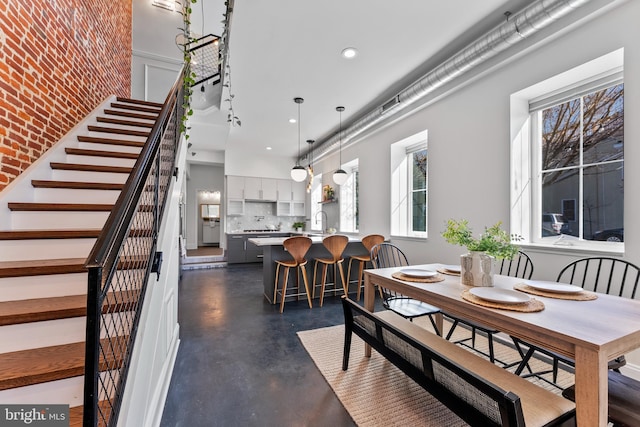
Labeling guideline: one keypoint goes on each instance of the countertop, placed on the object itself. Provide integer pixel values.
(277, 241)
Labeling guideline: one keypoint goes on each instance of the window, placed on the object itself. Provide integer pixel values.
(316, 206)
(568, 159)
(409, 187)
(349, 199)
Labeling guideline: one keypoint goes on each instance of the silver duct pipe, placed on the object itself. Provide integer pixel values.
(517, 27)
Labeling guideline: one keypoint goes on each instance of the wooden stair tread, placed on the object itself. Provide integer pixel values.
(90, 168)
(124, 122)
(129, 114)
(58, 207)
(157, 105)
(76, 413)
(53, 308)
(117, 131)
(41, 267)
(100, 153)
(77, 185)
(135, 108)
(110, 141)
(44, 364)
(49, 234)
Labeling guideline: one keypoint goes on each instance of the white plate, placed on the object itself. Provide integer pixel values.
(561, 288)
(452, 268)
(505, 296)
(418, 272)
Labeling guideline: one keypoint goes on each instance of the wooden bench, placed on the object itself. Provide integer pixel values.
(479, 392)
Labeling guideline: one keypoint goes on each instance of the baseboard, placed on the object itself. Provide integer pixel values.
(631, 370)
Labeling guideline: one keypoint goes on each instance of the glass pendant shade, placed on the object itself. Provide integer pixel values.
(340, 177)
(298, 173)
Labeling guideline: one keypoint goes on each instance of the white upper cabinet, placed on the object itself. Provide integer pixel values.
(285, 193)
(235, 187)
(299, 190)
(269, 189)
(260, 189)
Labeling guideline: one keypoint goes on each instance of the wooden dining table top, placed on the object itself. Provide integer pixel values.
(591, 332)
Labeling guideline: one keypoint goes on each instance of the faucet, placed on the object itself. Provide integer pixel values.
(326, 218)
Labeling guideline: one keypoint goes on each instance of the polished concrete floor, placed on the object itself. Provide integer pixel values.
(240, 362)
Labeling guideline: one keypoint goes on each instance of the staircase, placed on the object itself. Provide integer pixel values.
(50, 217)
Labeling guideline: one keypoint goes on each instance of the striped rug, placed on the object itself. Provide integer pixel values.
(376, 393)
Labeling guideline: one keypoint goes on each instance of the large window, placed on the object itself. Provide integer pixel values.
(409, 189)
(349, 199)
(316, 207)
(567, 158)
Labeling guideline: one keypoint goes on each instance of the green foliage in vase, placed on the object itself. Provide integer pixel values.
(494, 241)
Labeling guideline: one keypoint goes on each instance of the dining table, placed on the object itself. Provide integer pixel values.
(591, 332)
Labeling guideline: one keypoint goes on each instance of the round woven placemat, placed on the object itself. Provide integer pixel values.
(447, 272)
(530, 306)
(432, 279)
(578, 296)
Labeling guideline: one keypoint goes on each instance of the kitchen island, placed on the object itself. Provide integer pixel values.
(273, 251)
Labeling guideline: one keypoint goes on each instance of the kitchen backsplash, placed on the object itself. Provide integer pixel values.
(261, 216)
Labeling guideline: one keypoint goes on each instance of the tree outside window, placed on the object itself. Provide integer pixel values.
(582, 158)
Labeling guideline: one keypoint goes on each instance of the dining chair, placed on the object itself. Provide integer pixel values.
(297, 247)
(368, 242)
(336, 245)
(519, 266)
(384, 255)
(604, 275)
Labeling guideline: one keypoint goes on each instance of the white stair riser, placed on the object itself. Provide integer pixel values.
(47, 286)
(103, 161)
(16, 250)
(68, 391)
(57, 220)
(69, 195)
(109, 147)
(85, 176)
(26, 336)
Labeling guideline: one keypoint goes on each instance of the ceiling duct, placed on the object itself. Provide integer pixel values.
(516, 28)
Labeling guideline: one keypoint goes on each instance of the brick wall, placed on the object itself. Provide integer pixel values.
(58, 60)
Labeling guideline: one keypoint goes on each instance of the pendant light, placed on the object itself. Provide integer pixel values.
(340, 176)
(298, 173)
(310, 167)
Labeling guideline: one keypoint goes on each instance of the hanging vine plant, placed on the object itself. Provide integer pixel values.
(189, 76)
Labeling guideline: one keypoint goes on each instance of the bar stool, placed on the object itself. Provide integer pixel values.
(368, 242)
(298, 247)
(335, 245)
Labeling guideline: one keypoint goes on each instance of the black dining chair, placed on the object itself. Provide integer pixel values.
(604, 275)
(519, 266)
(385, 255)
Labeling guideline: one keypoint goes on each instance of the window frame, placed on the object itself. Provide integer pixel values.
(348, 201)
(526, 150)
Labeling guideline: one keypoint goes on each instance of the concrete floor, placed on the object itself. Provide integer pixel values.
(240, 362)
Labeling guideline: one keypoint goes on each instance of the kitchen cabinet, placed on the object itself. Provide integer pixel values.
(240, 250)
(291, 198)
(235, 187)
(260, 189)
(285, 192)
(299, 191)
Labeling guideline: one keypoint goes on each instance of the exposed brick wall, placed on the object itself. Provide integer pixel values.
(58, 60)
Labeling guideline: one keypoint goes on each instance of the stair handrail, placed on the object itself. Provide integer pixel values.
(102, 355)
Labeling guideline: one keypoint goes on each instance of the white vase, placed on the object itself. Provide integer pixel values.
(476, 269)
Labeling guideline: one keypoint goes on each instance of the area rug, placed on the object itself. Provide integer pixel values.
(376, 393)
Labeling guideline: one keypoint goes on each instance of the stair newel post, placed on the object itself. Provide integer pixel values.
(92, 350)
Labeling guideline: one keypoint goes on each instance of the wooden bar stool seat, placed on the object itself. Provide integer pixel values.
(368, 242)
(297, 247)
(336, 245)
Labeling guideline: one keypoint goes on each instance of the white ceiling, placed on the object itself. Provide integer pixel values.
(281, 49)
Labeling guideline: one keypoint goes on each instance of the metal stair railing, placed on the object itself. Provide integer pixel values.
(121, 262)
(206, 59)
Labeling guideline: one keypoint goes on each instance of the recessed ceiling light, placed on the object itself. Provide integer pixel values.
(349, 52)
(268, 148)
(292, 120)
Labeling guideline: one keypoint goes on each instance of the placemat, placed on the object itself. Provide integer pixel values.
(530, 306)
(432, 279)
(578, 296)
(448, 272)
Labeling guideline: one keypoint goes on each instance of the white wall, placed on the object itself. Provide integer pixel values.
(469, 143)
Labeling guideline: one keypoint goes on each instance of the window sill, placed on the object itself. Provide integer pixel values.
(577, 247)
(409, 238)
